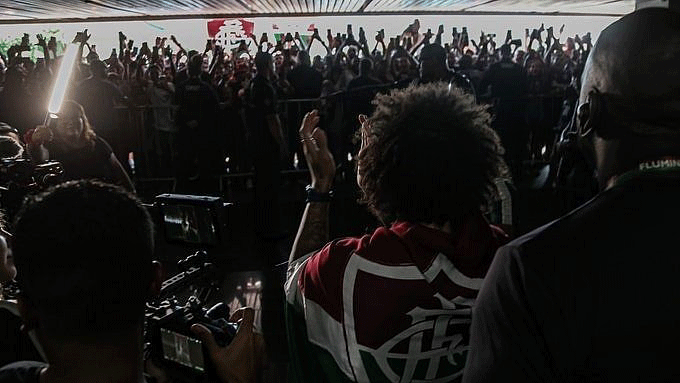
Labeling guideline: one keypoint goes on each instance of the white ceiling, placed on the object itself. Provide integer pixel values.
(74, 10)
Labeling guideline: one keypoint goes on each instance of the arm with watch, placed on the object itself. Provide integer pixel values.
(313, 232)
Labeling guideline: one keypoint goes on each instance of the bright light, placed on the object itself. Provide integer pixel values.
(63, 79)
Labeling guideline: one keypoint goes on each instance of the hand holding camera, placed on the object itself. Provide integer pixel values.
(241, 360)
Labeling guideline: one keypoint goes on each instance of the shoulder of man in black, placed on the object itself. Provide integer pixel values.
(560, 302)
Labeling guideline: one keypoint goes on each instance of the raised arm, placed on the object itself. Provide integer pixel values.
(313, 232)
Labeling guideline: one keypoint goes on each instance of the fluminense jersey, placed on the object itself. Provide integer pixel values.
(394, 306)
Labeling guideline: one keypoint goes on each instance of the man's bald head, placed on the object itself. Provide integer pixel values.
(636, 60)
(630, 96)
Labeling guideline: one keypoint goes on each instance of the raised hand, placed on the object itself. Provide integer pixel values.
(428, 34)
(319, 158)
(362, 35)
(41, 41)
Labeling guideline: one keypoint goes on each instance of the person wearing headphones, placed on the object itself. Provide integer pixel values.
(593, 295)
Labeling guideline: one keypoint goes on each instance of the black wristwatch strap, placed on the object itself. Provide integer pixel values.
(315, 196)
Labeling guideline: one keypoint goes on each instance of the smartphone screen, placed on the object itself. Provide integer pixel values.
(182, 349)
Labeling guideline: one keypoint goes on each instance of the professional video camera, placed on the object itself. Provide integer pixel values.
(23, 173)
(20, 176)
(169, 341)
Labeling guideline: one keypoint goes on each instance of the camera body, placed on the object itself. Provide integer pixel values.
(20, 176)
(169, 340)
(174, 345)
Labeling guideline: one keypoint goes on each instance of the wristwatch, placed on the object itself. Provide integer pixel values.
(315, 196)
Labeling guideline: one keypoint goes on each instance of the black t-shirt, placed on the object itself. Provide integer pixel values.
(21, 372)
(507, 80)
(198, 107)
(306, 81)
(20, 110)
(360, 92)
(592, 296)
(85, 163)
(262, 102)
(98, 96)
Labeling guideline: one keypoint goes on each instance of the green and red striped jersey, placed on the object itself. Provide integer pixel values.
(394, 306)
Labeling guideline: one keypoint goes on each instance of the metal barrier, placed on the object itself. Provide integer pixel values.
(138, 135)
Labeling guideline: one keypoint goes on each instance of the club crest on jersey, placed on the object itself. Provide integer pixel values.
(433, 348)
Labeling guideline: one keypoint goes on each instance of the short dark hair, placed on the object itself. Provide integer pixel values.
(263, 60)
(433, 52)
(430, 157)
(505, 50)
(303, 58)
(98, 68)
(365, 66)
(84, 250)
(195, 65)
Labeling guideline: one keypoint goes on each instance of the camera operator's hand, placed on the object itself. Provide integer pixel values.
(242, 359)
(319, 159)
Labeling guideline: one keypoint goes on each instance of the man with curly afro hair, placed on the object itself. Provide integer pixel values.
(396, 305)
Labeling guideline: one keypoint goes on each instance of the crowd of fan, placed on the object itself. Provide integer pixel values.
(342, 83)
(435, 293)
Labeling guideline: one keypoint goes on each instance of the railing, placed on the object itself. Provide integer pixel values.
(138, 135)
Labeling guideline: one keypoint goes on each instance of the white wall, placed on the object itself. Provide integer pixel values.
(192, 33)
